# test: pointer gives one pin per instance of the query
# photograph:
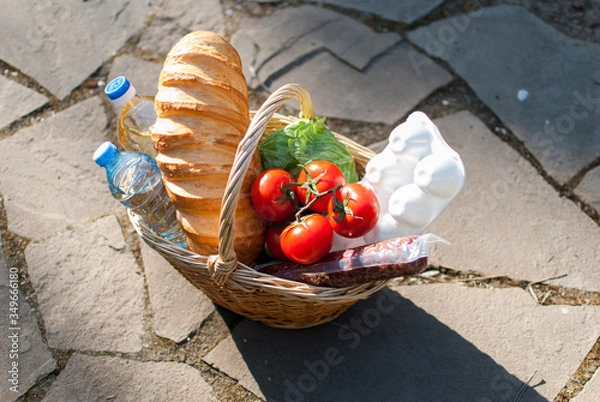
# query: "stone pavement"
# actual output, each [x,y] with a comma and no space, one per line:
[510,311]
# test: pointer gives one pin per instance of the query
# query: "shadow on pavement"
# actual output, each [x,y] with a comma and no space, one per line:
[382,349]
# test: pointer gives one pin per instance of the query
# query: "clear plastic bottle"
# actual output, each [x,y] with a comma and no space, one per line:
[135,180]
[136,116]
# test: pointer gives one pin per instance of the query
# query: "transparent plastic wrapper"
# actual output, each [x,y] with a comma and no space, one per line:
[401,256]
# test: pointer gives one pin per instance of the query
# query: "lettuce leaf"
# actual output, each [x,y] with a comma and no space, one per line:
[304,141]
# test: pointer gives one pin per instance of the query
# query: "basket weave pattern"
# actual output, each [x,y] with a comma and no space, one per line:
[274,301]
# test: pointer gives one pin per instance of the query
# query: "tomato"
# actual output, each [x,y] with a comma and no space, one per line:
[308,240]
[271,194]
[318,177]
[273,242]
[353,210]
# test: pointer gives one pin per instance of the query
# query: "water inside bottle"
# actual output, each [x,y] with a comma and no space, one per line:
[146,197]
[158,212]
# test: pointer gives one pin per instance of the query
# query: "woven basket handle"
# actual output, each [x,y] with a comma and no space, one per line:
[223,264]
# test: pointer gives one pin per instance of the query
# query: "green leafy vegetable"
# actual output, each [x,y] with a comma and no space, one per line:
[304,141]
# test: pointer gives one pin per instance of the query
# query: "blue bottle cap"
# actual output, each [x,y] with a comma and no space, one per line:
[117,88]
[105,153]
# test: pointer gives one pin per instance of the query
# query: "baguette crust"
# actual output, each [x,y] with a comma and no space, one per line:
[202,115]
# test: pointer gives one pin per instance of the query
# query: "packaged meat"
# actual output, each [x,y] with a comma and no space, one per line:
[381,260]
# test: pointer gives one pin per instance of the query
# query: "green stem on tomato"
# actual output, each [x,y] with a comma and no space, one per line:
[317,196]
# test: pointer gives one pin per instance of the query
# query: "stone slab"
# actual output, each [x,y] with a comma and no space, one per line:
[272,44]
[142,74]
[23,349]
[590,391]
[60,43]
[507,220]
[518,334]
[384,92]
[545,89]
[589,188]
[406,11]
[426,343]
[102,378]
[176,18]
[22,101]
[179,307]
[47,175]
[89,289]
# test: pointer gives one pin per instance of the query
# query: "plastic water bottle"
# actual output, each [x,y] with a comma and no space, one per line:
[135,180]
[136,116]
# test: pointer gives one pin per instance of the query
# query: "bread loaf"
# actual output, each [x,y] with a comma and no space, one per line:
[202,115]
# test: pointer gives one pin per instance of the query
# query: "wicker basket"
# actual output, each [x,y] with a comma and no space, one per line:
[274,301]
